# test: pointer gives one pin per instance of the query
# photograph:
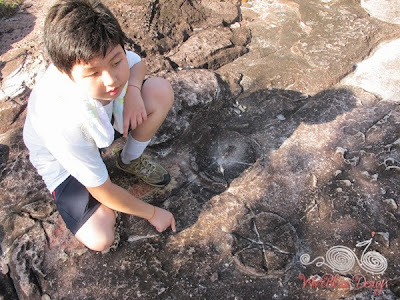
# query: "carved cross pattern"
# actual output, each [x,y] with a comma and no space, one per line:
[264,244]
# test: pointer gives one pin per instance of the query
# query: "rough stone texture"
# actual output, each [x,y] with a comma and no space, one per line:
[194,90]
[272,157]
[215,45]
[157,27]
[299,45]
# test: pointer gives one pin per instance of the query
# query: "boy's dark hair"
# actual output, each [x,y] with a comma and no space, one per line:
[76,31]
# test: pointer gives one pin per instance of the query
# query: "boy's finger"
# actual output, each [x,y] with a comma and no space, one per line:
[133,123]
[139,120]
[126,127]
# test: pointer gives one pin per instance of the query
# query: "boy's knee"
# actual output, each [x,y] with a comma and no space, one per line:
[100,242]
[104,243]
[168,92]
[98,232]
[162,91]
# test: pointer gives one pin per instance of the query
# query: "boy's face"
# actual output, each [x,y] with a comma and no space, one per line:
[103,77]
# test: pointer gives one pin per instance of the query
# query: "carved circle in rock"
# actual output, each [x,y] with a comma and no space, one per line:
[264,245]
[223,155]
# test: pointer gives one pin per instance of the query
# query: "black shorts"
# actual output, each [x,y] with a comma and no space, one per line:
[74,203]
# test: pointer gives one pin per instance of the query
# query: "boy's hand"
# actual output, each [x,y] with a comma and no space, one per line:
[134,110]
[162,219]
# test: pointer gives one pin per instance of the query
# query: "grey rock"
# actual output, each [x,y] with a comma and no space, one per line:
[210,48]
[391,204]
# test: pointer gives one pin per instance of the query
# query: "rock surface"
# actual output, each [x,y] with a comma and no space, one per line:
[277,149]
[379,74]
[387,11]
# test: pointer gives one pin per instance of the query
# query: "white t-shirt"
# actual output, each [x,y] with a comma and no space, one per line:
[58,145]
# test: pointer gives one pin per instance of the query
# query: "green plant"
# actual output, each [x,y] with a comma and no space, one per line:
[9,7]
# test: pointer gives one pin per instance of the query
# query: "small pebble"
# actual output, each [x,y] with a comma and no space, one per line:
[392,205]
[4,268]
[235,25]
[281,117]
[237,111]
[314,180]
[340,150]
[345,182]
[374,177]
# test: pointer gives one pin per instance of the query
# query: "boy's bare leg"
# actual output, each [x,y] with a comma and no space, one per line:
[158,98]
[97,233]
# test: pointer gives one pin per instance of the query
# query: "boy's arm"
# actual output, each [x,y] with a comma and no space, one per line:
[117,198]
[134,109]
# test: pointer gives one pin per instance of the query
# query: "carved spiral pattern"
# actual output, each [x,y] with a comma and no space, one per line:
[373,262]
[343,259]
[305,259]
[340,258]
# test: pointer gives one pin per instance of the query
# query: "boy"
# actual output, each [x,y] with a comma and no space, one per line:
[91,81]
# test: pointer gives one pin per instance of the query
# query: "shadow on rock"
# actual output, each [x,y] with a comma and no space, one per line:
[223,142]
[234,160]
[324,165]
[4,153]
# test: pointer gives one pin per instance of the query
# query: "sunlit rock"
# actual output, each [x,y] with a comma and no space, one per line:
[384,10]
[380,73]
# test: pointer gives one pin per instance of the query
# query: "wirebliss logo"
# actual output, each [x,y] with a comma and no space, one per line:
[342,260]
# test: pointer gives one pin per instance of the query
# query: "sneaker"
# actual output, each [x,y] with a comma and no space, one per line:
[146,169]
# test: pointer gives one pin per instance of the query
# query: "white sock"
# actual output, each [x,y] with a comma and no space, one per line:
[132,149]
